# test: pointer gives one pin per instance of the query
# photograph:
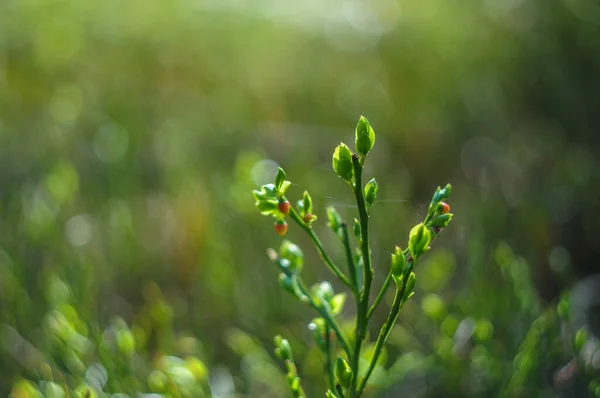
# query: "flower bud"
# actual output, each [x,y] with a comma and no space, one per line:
[157,381]
[371,192]
[419,240]
[334,221]
[342,162]
[364,137]
[410,286]
[284,206]
[443,208]
[283,350]
[343,372]
[293,254]
[398,264]
[280,227]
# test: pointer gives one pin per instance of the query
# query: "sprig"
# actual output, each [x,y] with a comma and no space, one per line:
[343,372]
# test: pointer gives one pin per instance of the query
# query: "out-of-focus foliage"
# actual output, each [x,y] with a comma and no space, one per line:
[132,134]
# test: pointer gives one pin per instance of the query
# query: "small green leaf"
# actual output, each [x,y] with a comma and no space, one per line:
[365,136]
[307,204]
[441,194]
[371,192]
[279,178]
[284,187]
[267,207]
[442,221]
[334,221]
[410,286]
[342,162]
[337,303]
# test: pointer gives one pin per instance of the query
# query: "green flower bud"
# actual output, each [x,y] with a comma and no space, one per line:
[317,328]
[53,390]
[398,265]
[419,239]
[334,221]
[371,192]
[356,230]
[365,136]
[337,303]
[125,341]
[342,162]
[157,381]
[293,254]
[343,372]
[441,194]
[283,350]
[198,368]
[410,286]
[329,394]
[85,391]
[307,204]
[323,291]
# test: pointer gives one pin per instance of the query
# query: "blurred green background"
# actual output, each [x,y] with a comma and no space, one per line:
[132,134]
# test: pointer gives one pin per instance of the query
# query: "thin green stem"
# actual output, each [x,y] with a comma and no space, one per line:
[393,315]
[383,335]
[350,259]
[388,280]
[363,303]
[327,316]
[296,217]
[339,390]
[380,295]
[328,361]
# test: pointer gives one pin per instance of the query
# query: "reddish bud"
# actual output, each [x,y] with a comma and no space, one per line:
[284,206]
[444,208]
[307,218]
[280,227]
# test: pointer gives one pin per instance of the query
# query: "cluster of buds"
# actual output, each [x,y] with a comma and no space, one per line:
[270,200]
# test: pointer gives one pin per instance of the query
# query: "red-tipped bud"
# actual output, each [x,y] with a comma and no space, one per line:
[280,227]
[307,218]
[284,206]
[444,207]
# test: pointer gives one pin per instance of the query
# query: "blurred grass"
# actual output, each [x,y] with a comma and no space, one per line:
[131,135]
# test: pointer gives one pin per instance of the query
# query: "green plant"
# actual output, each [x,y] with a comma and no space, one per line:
[346,366]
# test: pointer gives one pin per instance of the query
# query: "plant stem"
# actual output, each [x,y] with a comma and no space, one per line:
[296,217]
[380,295]
[350,258]
[328,318]
[328,361]
[393,315]
[383,334]
[363,303]
[388,280]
